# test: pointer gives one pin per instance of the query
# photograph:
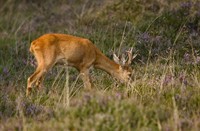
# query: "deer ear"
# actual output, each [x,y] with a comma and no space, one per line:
[134,56]
[116,59]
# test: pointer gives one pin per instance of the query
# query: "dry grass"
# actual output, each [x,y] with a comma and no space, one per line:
[164,94]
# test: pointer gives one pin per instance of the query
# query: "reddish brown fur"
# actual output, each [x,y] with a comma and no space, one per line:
[80,53]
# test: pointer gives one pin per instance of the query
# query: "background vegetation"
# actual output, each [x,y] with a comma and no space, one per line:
[165,93]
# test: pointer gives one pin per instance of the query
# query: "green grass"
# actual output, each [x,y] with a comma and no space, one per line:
[164,94]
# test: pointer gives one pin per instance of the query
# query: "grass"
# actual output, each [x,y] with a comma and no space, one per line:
[164,94]
[159,99]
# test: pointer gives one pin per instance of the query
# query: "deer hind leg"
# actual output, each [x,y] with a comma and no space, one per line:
[35,77]
[86,79]
[39,82]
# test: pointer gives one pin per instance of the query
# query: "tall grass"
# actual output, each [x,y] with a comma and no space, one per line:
[164,93]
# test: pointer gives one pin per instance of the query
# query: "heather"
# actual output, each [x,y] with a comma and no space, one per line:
[164,94]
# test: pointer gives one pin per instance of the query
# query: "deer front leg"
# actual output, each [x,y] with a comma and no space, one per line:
[86,79]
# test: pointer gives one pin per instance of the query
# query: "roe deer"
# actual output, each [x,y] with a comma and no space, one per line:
[81,53]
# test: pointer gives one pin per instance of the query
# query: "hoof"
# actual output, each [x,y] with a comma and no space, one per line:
[28,91]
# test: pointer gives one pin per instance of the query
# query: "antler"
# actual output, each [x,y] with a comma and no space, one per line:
[130,55]
[122,60]
[119,60]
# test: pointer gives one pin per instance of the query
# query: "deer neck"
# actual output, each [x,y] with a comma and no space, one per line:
[104,63]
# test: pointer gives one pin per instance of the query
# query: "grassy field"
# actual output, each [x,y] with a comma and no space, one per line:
[164,94]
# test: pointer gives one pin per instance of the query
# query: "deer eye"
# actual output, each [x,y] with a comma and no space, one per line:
[129,73]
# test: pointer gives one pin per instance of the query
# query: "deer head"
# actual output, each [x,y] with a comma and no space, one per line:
[125,69]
